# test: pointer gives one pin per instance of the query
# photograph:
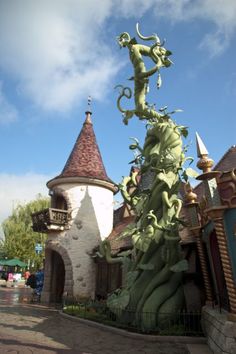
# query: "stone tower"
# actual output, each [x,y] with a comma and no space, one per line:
[81,215]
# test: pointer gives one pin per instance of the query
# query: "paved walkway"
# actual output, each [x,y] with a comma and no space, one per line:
[31,328]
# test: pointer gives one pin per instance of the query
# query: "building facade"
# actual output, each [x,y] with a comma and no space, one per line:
[80,216]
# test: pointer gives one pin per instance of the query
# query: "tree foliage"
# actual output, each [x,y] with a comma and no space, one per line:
[20,239]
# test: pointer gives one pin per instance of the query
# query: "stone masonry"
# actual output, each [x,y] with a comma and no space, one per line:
[220,332]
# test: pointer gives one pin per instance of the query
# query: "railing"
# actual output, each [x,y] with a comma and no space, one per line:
[177,324]
[49,219]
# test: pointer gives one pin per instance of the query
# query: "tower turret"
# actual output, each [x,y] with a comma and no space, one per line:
[85,160]
[86,192]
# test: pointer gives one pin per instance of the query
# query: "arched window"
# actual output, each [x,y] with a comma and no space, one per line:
[58,202]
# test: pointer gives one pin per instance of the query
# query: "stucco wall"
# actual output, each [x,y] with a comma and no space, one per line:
[92,221]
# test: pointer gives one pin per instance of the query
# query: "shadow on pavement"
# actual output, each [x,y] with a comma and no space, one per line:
[34,328]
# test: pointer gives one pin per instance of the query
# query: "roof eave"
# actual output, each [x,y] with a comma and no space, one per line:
[82,180]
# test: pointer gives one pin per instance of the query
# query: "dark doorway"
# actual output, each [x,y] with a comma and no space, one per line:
[108,278]
[57,277]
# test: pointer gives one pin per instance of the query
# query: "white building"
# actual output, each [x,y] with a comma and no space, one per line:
[81,215]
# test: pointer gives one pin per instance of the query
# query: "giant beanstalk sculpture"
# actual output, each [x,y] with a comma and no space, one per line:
[153,284]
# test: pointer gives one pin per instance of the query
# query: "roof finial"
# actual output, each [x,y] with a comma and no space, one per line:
[89,103]
[201,149]
[89,112]
[190,196]
[205,163]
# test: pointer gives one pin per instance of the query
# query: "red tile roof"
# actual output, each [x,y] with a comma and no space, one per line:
[118,244]
[226,163]
[85,158]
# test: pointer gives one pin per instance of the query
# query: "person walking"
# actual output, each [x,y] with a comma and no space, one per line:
[26,275]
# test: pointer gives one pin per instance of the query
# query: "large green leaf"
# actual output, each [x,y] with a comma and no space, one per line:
[139,205]
[165,253]
[130,278]
[128,231]
[190,172]
[126,263]
[184,131]
[148,266]
[158,235]
[181,266]
[119,301]
[169,178]
[141,242]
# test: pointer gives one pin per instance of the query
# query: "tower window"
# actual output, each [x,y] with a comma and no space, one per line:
[58,202]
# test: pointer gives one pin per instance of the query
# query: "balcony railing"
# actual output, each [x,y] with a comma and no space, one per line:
[50,219]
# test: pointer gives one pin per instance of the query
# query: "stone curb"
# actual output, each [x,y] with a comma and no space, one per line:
[150,338]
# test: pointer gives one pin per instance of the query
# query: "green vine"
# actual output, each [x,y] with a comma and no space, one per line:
[154,279]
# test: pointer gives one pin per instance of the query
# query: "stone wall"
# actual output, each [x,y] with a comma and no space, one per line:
[219,330]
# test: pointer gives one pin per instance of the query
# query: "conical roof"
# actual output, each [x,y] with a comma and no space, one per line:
[85,159]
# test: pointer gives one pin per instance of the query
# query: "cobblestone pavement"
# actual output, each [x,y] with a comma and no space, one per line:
[33,328]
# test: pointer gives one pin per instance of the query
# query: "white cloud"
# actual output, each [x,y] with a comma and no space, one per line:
[8,112]
[133,8]
[215,43]
[54,51]
[57,53]
[20,189]
[221,13]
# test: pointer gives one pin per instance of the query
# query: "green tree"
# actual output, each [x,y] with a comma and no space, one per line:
[2,252]
[20,239]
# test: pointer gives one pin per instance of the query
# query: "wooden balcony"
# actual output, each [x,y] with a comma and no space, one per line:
[50,220]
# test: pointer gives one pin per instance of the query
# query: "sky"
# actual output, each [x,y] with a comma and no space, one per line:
[56,53]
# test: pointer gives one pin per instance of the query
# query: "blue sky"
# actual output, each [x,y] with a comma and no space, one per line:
[55,53]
